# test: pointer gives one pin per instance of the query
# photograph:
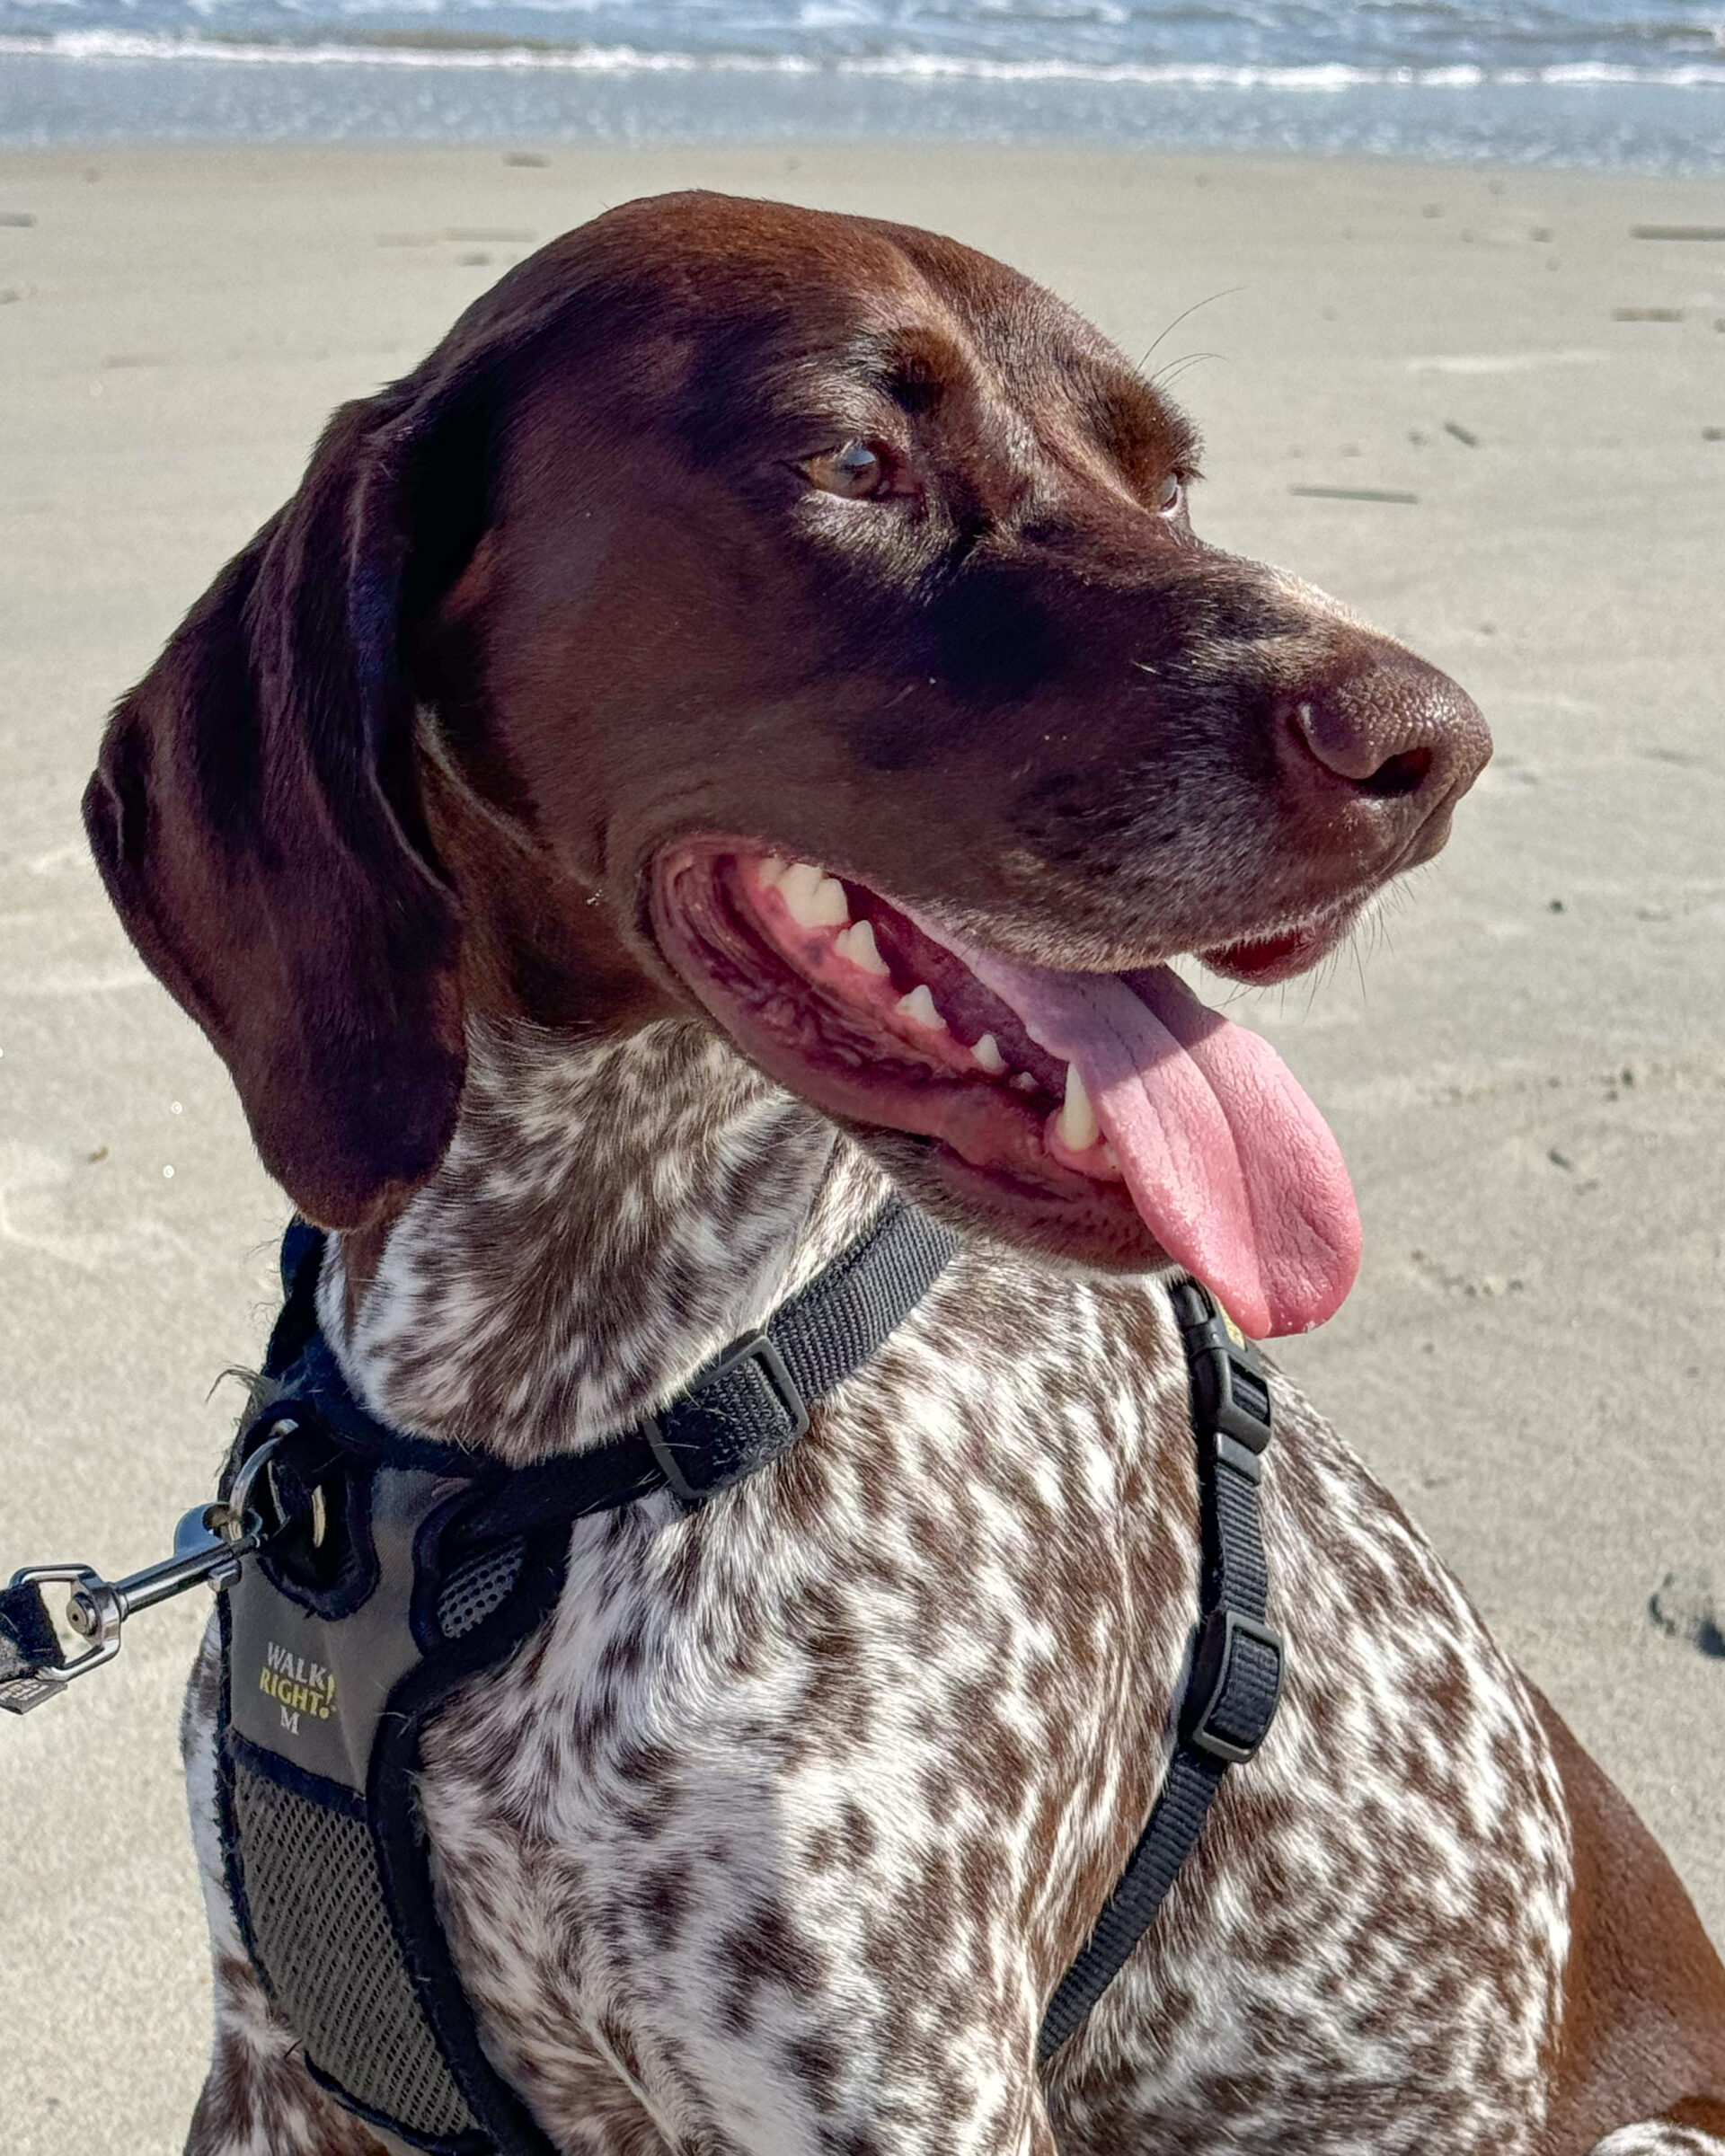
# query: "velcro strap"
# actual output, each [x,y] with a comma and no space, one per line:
[28,1640]
[748,1410]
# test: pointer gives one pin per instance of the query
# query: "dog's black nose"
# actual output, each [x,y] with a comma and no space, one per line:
[1385,738]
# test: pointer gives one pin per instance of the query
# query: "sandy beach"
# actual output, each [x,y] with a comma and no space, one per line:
[1473,403]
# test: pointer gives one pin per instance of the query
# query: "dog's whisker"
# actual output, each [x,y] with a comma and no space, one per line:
[1185,314]
[1176,368]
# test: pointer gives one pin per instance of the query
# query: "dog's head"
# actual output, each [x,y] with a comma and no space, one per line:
[798,620]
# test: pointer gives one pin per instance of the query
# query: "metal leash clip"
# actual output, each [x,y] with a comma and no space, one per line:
[209,1545]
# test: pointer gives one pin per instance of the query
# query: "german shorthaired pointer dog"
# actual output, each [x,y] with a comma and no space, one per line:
[739,729]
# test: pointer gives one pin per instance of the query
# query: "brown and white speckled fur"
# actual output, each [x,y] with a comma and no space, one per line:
[778,1836]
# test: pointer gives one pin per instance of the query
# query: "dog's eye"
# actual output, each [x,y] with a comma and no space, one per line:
[856,469]
[1172,493]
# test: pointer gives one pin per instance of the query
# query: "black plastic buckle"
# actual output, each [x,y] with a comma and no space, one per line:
[1230,1386]
[1216,1671]
[696,1472]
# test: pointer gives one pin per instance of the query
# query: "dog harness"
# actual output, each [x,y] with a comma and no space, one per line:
[377,1572]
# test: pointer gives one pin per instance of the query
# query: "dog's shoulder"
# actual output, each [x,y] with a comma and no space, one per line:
[1377,1923]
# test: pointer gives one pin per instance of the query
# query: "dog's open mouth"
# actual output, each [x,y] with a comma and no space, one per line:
[1114,1115]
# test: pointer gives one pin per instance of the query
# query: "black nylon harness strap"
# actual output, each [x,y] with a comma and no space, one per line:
[750,1403]
[1235,1682]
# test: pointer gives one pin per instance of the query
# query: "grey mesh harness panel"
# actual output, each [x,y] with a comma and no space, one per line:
[322,1932]
[478,1589]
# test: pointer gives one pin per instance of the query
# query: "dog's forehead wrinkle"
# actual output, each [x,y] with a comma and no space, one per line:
[966,374]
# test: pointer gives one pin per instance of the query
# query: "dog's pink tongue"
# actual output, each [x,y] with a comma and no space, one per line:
[1234,1170]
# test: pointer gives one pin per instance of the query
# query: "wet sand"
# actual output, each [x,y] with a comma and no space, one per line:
[1526,1062]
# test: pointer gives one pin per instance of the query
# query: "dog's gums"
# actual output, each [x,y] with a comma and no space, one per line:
[1111,1112]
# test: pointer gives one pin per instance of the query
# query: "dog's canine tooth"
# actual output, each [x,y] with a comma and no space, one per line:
[986,1052]
[919,1007]
[815,899]
[1077,1127]
[858,945]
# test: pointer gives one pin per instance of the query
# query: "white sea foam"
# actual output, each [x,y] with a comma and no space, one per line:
[1501,363]
[108,44]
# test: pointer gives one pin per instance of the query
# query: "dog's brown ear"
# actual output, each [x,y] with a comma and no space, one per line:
[256,817]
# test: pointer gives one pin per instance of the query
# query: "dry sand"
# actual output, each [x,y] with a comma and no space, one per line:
[1527,1070]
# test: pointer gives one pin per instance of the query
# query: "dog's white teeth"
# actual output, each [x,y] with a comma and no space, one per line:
[814,899]
[987,1054]
[770,868]
[1025,1082]
[919,1007]
[858,945]
[1077,1127]
[799,881]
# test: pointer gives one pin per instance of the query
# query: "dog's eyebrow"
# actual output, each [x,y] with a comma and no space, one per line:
[914,369]
[1137,426]
[918,370]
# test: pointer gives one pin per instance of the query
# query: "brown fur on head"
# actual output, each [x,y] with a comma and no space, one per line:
[564,611]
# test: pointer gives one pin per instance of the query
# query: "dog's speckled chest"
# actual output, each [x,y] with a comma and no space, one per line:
[806,1799]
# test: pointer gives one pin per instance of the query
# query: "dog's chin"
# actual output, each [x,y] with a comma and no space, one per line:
[1090,1230]
[845,999]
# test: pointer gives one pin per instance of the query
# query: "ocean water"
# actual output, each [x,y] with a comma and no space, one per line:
[1621,82]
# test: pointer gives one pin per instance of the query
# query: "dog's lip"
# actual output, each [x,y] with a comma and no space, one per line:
[1256,955]
[1278,952]
[761,925]
[1114,1110]
[1281,954]
[858,1056]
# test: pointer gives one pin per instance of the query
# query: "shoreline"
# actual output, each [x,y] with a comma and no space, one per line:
[110,87]
[1527,1073]
[628,59]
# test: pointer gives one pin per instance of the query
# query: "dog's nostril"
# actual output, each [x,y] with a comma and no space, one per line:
[1370,740]
[1399,775]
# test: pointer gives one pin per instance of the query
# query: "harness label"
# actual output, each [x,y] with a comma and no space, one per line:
[308,1686]
[297,1685]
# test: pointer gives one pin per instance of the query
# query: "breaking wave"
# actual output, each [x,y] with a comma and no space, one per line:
[451,49]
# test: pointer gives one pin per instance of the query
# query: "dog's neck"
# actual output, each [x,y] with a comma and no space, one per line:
[607,1217]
